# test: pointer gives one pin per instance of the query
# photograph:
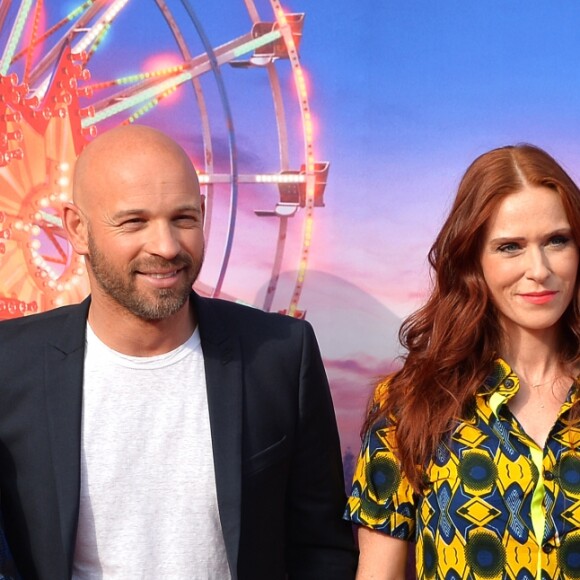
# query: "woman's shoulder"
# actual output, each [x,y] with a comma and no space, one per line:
[382,387]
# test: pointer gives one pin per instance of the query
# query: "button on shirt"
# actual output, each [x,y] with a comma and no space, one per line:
[496,505]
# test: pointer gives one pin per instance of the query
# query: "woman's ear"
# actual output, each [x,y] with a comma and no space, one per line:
[76,227]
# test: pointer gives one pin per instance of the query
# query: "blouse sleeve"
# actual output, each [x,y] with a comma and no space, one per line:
[381,496]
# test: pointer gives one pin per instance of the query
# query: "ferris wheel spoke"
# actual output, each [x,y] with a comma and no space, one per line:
[34,42]
[149,87]
[48,61]
[84,34]
[4,7]
[15,35]
[111,11]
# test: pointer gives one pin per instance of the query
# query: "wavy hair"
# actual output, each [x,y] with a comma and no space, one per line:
[453,340]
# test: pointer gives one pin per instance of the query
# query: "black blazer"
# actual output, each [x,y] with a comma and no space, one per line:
[276,452]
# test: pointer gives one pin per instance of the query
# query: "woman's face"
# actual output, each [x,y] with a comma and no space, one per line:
[529,260]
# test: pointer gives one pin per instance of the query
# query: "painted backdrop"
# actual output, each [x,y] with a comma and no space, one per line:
[330,137]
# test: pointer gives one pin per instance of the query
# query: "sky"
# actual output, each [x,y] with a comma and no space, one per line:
[408,93]
[404,95]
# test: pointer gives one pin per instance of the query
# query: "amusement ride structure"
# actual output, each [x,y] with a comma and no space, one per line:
[57,93]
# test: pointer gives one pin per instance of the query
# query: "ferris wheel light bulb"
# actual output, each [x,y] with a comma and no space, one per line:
[13,117]
[32,102]
[35,230]
[89,131]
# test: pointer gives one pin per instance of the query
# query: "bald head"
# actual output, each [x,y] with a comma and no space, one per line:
[119,153]
[137,218]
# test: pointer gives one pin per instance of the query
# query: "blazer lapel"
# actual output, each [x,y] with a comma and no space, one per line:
[64,378]
[223,369]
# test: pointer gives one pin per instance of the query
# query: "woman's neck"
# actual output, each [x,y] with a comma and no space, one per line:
[534,356]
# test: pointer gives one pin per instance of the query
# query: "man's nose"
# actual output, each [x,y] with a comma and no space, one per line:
[164,241]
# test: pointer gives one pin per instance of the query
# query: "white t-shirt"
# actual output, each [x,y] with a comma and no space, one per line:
[148,506]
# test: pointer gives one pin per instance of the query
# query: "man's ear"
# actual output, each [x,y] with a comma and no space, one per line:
[202,209]
[76,227]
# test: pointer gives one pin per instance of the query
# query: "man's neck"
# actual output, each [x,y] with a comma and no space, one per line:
[134,336]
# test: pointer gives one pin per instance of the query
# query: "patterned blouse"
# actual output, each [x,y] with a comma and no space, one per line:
[497,506]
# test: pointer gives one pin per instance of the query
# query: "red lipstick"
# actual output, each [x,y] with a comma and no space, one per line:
[539,297]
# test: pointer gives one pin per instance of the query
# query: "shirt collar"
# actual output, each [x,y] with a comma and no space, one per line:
[502,384]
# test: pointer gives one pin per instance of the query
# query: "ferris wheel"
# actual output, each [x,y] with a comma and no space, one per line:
[213,80]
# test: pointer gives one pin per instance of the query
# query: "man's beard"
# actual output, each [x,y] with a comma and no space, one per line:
[120,286]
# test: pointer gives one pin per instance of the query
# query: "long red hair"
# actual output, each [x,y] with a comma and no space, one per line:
[452,341]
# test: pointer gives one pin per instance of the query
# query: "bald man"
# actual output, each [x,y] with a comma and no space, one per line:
[152,433]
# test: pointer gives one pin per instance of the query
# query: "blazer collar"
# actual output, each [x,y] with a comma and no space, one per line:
[64,361]
[223,369]
[71,336]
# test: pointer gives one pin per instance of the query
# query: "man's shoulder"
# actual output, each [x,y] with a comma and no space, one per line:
[242,314]
[47,321]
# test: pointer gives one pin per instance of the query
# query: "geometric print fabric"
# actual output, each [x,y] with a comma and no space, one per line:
[490,491]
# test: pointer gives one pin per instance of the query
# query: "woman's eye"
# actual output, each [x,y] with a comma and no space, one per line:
[558,240]
[509,247]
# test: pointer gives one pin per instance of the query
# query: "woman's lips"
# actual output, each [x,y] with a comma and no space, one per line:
[539,297]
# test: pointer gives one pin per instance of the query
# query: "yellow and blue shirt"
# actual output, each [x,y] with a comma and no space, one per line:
[496,505]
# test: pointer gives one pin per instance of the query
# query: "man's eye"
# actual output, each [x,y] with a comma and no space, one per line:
[186,220]
[133,222]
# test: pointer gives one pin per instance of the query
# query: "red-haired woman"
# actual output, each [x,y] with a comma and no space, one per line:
[472,448]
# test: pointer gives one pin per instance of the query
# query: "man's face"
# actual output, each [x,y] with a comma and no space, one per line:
[145,239]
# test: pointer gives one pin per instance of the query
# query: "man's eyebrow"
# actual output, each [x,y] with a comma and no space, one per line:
[143,211]
[187,207]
